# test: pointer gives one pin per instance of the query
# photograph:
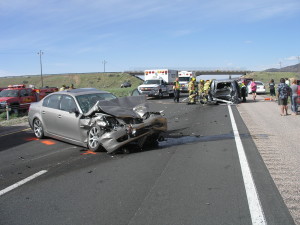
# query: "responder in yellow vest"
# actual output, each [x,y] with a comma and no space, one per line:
[192,91]
[176,88]
[243,90]
[206,89]
[201,92]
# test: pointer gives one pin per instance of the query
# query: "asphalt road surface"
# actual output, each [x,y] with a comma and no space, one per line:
[197,175]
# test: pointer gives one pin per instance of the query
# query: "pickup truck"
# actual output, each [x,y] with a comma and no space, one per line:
[18,98]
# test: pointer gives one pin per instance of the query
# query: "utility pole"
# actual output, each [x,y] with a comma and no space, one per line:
[298,57]
[104,62]
[41,53]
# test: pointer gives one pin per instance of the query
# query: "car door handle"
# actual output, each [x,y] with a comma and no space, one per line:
[59,116]
[43,112]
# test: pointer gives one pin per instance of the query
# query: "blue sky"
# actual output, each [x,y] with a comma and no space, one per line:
[78,35]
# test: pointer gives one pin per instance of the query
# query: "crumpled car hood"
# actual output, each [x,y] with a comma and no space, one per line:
[131,106]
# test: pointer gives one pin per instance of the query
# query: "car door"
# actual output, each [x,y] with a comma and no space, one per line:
[67,120]
[49,113]
[25,99]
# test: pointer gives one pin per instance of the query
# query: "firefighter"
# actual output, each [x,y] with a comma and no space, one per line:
[176,88]
[206,89]
[243,90]
[63,87]
[192,91]
[201,92]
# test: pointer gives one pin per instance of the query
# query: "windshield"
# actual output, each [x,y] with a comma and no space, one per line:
[9,93]
[184,78]
[86,102]
[152,82]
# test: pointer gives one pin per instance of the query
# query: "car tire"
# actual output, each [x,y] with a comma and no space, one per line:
[38,129]
[93,141]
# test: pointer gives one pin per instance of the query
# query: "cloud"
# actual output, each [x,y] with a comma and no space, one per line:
[292,58]
[4,73]
[179,33]
[248,42]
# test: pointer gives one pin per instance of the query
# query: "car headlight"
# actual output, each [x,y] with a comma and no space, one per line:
[101,123]
[133,132]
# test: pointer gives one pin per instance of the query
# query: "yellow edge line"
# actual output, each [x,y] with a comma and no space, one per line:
[15,132]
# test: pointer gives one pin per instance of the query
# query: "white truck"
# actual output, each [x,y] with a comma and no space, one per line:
[184,79]
[158,83]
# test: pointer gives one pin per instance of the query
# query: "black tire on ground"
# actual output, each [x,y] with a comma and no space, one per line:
[38,128]
[94,134]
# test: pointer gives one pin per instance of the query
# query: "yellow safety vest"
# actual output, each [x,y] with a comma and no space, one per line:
[191,86]
[206,86]
[177,85]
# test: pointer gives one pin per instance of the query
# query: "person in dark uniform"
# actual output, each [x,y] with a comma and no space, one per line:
[176,88]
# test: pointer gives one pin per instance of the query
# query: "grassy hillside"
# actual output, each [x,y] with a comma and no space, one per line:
[265,77]
[103,81]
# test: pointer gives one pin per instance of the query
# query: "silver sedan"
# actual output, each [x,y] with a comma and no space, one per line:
[96,119]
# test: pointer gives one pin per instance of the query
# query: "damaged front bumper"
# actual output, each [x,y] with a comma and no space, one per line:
[113,139]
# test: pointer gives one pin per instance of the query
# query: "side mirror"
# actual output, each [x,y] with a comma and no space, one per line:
[74,110]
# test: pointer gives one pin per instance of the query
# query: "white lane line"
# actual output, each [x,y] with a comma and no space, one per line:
[18,184]
[14,132]
[256,211]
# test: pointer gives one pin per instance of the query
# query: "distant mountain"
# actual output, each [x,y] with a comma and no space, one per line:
[294,69]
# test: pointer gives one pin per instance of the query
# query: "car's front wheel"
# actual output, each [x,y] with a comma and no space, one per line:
[94,135]
[38,128]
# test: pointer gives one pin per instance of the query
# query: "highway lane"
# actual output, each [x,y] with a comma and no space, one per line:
[193,177]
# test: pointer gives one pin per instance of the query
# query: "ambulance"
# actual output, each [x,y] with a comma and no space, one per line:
[158,83]
[184,79]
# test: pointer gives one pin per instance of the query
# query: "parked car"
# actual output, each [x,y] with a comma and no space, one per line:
[225,91]
[261,88]
[126,84]
[245,80]
[96,119]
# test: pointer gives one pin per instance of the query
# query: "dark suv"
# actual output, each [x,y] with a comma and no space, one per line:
[126,84]
[225,91]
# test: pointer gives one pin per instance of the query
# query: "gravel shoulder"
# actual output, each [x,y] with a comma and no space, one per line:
[21,121]
[277,140]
